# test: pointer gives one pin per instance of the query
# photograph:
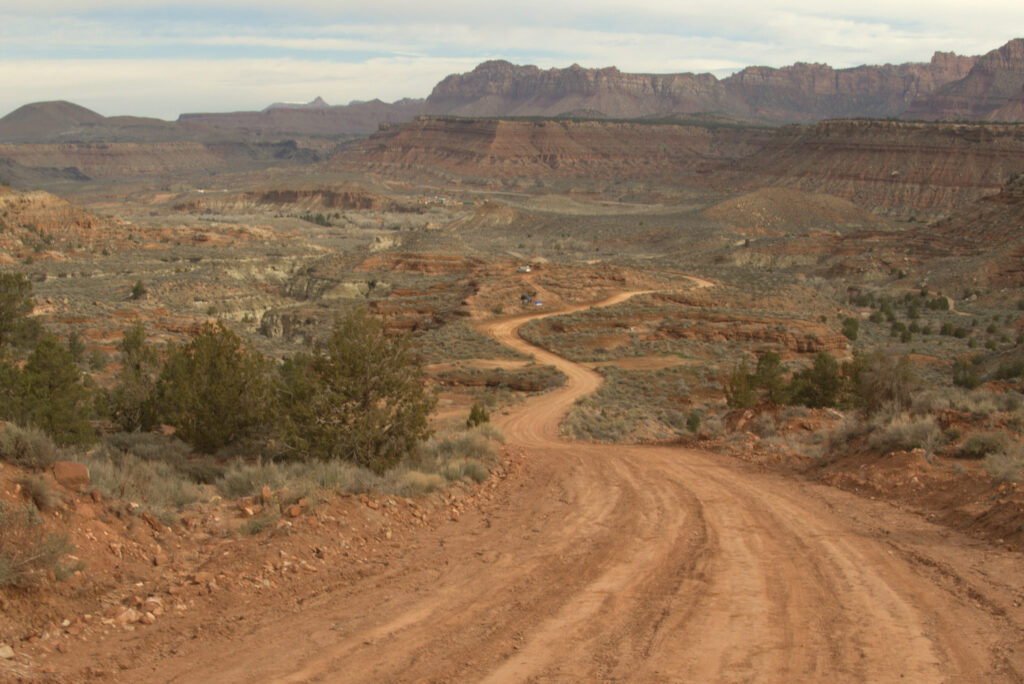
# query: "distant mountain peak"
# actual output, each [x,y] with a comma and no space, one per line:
[318,103]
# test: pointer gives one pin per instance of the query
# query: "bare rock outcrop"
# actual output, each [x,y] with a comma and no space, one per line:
[993,90]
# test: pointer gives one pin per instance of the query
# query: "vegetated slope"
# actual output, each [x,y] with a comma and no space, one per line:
[29,165]
[624,562]
[34,223]
[992,90]
[497,148]
[892,167]
[785,210]
[993,229]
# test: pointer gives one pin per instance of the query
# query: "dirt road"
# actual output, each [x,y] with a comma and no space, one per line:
[649,564]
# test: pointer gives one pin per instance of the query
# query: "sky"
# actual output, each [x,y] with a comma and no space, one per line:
[161,59]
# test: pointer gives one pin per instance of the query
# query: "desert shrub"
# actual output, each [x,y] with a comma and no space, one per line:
[465,468]
[1008,401]
[763,425]
[965,374]
[216,390]
[586,421]
[905,432]
[491,431]
[877,380]
[714,426]
[459,446]
[27,447]
[28,553]
[1006,465]
[39,493]
[693,422]
[154,484]
[850,428]
[415,483]
[261,522]
[1010,370]
[851,326]
[243,478]
[981,444]
[150,446]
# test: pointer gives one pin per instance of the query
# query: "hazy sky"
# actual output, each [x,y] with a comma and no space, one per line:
[157,58]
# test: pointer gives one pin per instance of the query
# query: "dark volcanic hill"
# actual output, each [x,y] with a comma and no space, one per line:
[993,90]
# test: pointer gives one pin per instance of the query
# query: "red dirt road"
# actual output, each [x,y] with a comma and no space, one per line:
[648,564]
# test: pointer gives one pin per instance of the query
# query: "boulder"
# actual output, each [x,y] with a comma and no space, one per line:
[74,476]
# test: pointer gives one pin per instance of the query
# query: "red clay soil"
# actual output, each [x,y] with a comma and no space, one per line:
[600,563]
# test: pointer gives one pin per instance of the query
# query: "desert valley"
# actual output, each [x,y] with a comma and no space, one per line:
[663,378]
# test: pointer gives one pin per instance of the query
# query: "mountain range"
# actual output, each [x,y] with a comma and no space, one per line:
[949,87]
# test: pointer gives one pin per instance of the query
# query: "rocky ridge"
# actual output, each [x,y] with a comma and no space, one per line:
[993,90]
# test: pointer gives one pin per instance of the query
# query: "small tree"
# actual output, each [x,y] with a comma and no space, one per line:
[361,398]
[15,305]
[133,399]
[216,390]
[739,390]
[51,394]
[769,376]
[851,326]
[477,415]
[138,290]
[965,374]
[876,380]
[819,385]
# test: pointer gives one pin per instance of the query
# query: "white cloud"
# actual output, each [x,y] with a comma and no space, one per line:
[192,55]
[167,88]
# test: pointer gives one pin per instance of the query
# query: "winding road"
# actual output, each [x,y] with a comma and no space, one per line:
[645,564]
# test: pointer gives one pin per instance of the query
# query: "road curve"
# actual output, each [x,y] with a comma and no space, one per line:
[648,564]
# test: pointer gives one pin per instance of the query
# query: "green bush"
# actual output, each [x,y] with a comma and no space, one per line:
[740,388]
[49,394]
[851,327]
[965,374]
[15,305]
[361,398]
[819,385]
[132,401]
[216,390]
[477,415]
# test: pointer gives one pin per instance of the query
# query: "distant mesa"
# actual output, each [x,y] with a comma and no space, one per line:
[318,103]
[948,87]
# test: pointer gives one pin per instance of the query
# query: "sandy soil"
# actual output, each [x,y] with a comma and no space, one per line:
[631,563]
